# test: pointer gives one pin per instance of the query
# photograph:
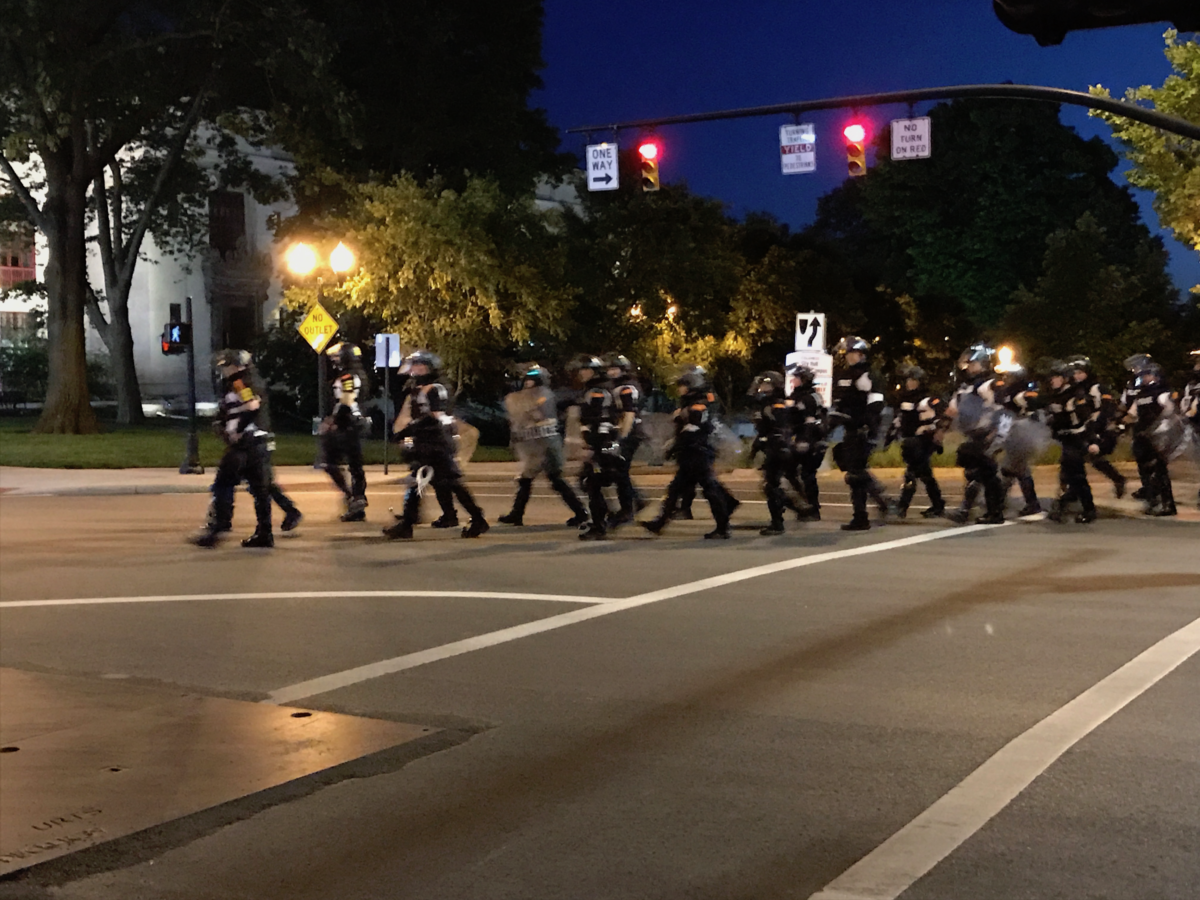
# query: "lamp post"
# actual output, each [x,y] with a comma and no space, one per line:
[302,260]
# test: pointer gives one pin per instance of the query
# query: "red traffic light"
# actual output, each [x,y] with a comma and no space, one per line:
[648,150]
[855,133]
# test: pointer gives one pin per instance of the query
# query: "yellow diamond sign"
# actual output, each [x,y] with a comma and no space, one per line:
[318,328]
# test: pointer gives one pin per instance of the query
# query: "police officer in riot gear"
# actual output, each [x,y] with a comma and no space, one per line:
[1106,428]
[808,433]
[773,422]
[340,432]
[245,457]
[973,409]
[915,425]
[694,455]
[858,408]
[1190,402]
[598,426]
[430,445]
[1070,409]
[627,398]
[1146,405]
[1014,392]
[533,423]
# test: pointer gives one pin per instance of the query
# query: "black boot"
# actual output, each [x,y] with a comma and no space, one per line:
[970,496]
[776,527]
[445,521]
[477,526]
[291,519]
[858,523]
[260,538]
[400,530]
[720,533]
[906,495]
[593,532]
[655,526]
[208,537]
[520,501]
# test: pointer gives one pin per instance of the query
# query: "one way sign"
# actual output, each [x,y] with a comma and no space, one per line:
[602,167]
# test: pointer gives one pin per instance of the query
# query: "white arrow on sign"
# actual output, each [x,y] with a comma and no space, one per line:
[601,162]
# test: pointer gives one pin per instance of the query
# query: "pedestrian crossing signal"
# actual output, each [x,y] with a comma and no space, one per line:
[856,149]
[648,165]
[176,338]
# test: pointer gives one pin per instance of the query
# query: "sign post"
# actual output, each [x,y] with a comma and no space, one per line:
[318,328]
[810,352]
[601,162]
[798,149]
[384,359]
[191,461]
[911,138]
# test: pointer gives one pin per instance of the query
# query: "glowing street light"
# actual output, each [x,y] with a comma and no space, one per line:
[301,259]
[341,260]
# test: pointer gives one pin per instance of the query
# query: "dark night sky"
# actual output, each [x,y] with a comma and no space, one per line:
[619,60]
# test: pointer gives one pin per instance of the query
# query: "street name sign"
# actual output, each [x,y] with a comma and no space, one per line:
[797,149]
[601,161]
[318,328]
[911,138]
[387,351]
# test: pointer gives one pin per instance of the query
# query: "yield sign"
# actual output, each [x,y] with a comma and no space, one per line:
[318,328]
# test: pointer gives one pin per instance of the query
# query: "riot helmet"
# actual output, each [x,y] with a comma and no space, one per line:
[425,358]
[976,360]
[230,358]
[1195,355]
[1080,363]
[851,344]
[909,372]
[621,363]
[537,374]
[345,356]
[1151,374]
[692,380]
[1139,362]
[766,384]
[804,375]
[585,362]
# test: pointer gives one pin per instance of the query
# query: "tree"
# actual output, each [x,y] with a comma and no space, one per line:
[469,274]
[1084,304]
[89,87]
[970,224]
[1167,164]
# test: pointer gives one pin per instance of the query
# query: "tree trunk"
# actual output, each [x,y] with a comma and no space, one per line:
[67,409]
[120,351]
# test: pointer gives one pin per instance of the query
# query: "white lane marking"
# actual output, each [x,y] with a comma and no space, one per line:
[893,867]
[336,680]
[305,595]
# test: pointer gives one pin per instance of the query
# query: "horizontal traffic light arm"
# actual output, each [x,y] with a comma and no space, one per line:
[1172,124]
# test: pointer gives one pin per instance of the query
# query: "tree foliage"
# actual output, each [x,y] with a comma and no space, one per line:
[970,224]
[1082,303]
[1167,164]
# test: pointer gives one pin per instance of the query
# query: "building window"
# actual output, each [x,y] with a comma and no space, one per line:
[13,322]
[16,261]
[226,220]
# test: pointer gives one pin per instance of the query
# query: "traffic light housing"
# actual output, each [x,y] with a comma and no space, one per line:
[648,165]
[1048,21]
[856,149]
[176,338]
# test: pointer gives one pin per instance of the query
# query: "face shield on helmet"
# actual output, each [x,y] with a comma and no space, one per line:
[692,380]
[976,359]
[801,376]
[584,368]
[911,373]
[766,384]
[345,356]
[422,365]
[620,363]
[537,374]
[232,360]
[1138,363]
[851,344]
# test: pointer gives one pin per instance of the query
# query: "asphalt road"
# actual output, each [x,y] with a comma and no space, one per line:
[667,718]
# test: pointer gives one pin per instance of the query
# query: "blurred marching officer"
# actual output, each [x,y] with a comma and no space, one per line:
[858,408]
[246,455]
[340,431]
[915,426]
[533,423]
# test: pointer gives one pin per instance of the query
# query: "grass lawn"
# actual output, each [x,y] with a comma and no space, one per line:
[159,444]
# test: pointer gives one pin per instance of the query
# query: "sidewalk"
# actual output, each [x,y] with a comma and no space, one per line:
[29,482]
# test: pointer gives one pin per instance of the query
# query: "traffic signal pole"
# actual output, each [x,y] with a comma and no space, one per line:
[191,461]
[1122,108]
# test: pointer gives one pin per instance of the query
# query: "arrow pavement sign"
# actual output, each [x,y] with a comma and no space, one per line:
[601,162]
[911,138]
[797,149]
[318,328]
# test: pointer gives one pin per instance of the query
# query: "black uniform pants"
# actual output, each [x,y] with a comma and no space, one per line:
[982,473]
[917,451]
[595,475]
[446,482]
[627,493]
[1072,472]
[804,474]
[853,456]
[1152,468]
[343,445]
[247,461]
[696,471]
[777,465]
